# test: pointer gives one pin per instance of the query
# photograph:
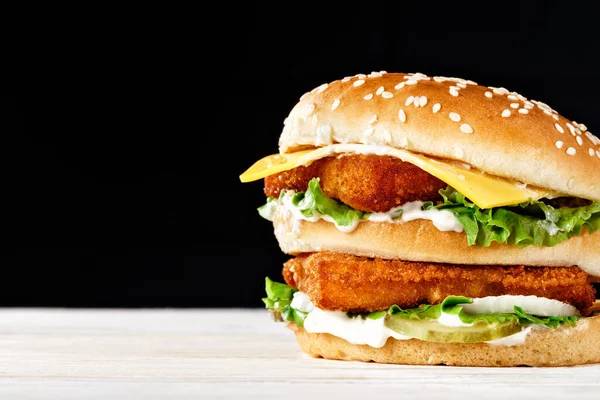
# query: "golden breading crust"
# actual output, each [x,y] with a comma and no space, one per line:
[359,284]
[365,182]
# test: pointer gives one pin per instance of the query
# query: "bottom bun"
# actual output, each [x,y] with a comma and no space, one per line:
[565,346]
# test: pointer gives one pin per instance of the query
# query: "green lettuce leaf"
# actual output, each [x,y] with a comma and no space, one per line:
[530,223]
[315,201]
[452,305]
[279,298]
[280,295]
[268,209]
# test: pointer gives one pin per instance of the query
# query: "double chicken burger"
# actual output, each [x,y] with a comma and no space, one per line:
[432,220]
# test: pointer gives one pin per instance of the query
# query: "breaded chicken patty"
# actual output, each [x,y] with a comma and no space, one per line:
[368,183]
[359,284]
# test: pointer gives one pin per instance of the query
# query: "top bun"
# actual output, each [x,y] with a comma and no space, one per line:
[492,129]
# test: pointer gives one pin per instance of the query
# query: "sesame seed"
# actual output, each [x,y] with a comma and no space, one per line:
[453,91]
[461,177]
[592,138]
[497,91]
[346,79]
[416,102]
[523,111]
[436,107]
[361,76]
[306,109]
[514,105]
[387,136]
[373,119]
[409,100]
[583,127]
[512,97]
[458,152]
[571,128]
[387,95]
[466,128]
[579,140]
[368,96]
[380,90]
[591,152]
[454,116]
[528,105]
[358,82]
[402,115]
[411,82]
[399,86]
[321,88]
[506,113]
[374,74]
[470,82]
[489,95]
[461,85]
[571,151]
[546,111]
[383,72]
[423,101]
[559,144]
[555,116]
[439,79]
[578,131]
[559,128]
[598,153]
[335,104]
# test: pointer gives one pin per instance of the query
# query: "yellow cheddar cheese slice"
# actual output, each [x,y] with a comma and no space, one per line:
[486,191]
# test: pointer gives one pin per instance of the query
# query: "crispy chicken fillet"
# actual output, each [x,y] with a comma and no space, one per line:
[359,284]
[365,182]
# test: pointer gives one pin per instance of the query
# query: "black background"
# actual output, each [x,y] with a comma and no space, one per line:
[120,184]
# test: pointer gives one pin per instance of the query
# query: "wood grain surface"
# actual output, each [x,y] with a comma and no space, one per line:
[228,353]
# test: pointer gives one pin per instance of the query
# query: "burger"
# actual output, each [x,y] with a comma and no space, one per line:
[433,220]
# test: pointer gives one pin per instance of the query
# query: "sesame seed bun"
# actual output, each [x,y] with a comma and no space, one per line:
[420,240]
[492,129]
[565,346]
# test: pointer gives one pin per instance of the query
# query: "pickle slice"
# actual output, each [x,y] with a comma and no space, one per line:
[431,330]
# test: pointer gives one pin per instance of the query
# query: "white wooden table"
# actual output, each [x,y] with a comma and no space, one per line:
[191,354]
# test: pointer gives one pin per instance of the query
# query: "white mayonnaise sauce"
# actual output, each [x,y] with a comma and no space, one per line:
[356,330]
[549,226]
[367,331]
[373,332]
[287,204]
[513,340]
[442,219]
[539,306]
